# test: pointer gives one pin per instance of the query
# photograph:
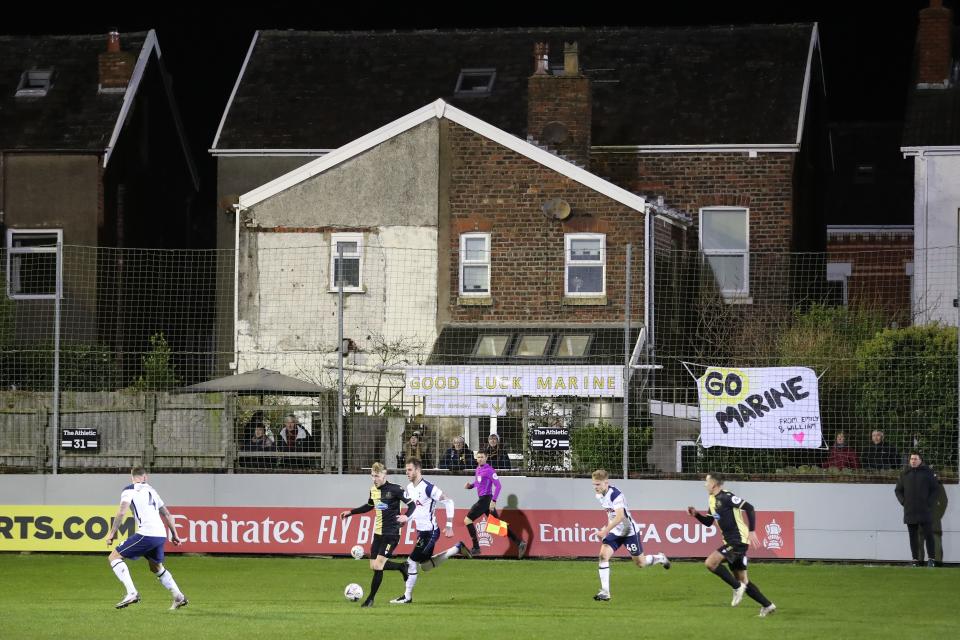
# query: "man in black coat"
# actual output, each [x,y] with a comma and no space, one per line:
[917,491]
[879,454]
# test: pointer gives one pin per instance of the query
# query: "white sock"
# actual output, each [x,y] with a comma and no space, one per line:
[605,576]
[123,575]
[166,579]
[649,560]
[441,557]
[411,578]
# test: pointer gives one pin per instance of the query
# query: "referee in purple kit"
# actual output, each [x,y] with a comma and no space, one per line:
[487,482]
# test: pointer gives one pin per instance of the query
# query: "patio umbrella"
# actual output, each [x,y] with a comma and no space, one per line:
[258,382]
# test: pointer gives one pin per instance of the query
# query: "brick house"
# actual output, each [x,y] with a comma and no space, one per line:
[92,155]
[724,122]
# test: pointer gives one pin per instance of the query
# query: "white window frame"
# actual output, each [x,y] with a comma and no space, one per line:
[840,272]
[568,239]
[730,294]
[13,275]
[336,238]
[475,263]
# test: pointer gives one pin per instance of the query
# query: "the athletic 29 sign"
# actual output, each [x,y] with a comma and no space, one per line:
[550,533]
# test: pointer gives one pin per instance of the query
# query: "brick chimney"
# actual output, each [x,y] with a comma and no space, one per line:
[934,50]
[559,107]
[116,66]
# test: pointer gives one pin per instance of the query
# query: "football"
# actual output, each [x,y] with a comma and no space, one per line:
[353,592]
[357,552]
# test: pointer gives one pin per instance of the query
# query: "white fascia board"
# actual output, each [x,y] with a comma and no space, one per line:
[138,70]
[440,109]
[895,229]
[697,148]
[945,150]
[236,85]
[269,152]
[804,96]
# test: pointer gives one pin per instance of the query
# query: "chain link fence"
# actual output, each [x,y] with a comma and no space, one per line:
[444,354]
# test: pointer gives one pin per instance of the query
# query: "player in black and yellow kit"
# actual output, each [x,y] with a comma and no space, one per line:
[728,510]
[386,498]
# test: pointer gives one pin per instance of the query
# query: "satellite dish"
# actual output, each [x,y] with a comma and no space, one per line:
[556,208]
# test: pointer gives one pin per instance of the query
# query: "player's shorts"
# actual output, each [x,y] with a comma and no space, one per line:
[424,547]
[632,543]
[149,547]
[735,555]
[480,508]
[384,545]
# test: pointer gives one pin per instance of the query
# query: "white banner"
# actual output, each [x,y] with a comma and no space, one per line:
[776,408]
[545,381]
[465,406]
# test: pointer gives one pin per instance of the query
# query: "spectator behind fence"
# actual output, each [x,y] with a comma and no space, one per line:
[416,447]
[496,453]
[917,490]
[294,439]
[458,457]
[841,456]
[259,441]
[879,454]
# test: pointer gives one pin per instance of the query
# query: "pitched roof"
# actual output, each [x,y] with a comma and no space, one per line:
[651,86]
[440,109]
[933,118]
[73,116]
[933,113]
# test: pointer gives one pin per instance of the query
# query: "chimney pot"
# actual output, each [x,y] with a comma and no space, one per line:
[571,59]
[113,42]
[541,61]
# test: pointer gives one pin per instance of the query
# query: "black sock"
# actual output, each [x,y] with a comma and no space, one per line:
[472,530]
[375,583]
[514,538]
[724,574]
[394,566]
[754,593]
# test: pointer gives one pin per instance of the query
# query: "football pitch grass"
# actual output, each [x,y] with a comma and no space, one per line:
[56,596]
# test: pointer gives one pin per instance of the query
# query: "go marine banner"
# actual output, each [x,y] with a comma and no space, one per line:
[289,530]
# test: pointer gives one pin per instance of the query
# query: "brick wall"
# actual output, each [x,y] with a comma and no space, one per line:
[494,189]
[933,44]
[565,100]
[878,280]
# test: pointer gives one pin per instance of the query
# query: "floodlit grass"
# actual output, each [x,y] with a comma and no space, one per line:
[57,596]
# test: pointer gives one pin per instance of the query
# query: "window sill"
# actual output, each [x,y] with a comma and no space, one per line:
[585,301]
[737,298]
[475,301]
[350,290]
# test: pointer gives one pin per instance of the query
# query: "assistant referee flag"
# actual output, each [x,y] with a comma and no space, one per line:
[496,526]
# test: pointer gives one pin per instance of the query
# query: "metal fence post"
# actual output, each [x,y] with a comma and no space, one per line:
[626,365]
[340,249]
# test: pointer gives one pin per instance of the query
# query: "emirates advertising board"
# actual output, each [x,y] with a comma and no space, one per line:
[307,531]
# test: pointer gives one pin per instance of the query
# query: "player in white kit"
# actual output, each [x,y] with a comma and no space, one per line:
[426,496]
[619,530]
[148,541]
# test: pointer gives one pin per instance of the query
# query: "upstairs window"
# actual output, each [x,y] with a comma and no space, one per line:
[725,241]
[32,263]
[475,82]
[475,264]
[35,82]
[352,267]
[586,260]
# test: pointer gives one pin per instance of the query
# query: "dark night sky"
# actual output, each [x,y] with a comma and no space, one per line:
[866,46]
